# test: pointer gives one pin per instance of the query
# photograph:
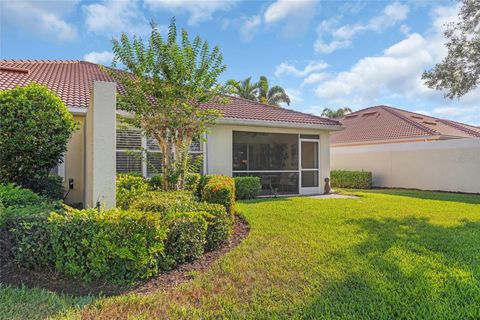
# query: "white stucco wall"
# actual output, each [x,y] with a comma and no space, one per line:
[218,153]
[74,163]
[448,165]
[100,155]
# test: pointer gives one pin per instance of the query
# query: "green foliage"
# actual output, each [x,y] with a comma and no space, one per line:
[244,88]
[51,187]
[35,127]
[247,187]
[219,221]
[187,236]
[220,189]
[155,183]
[351,179]
[271,95]
[115,245]
[166,82]
[459,72]
[14,196]
[164,203]
[332,114]
[128,188]
[191,181]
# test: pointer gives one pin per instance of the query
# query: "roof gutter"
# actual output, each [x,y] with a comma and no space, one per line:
[278,124]
[78,111]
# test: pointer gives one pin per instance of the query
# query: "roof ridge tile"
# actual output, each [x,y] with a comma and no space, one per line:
[414,123]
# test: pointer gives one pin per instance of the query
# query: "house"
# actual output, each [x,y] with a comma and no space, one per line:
[287,149]
[409,150]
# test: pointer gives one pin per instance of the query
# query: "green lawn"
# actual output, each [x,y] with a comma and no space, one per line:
[385,255]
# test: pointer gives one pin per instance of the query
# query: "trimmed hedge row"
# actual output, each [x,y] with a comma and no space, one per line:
[219,189]
[351,179]
[247,187]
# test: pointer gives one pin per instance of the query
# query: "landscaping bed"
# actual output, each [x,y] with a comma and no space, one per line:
[13,275]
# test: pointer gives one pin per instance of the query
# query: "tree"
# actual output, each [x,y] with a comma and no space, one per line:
[166,82]
[272,96]
[459,72]
[35,126]
[340,112]
[244,89]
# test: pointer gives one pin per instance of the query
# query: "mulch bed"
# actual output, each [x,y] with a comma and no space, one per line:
[12,274]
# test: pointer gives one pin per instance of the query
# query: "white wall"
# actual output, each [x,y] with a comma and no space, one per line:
[447,165]
[218,153]
[100,155]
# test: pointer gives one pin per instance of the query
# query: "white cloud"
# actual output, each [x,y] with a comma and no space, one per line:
[249,27]
[288,69]
[111,17]
[314,78]
[44,17]
[294,15]
[396,75]
[295,95]
[104,57]
[199,10]
[341,37]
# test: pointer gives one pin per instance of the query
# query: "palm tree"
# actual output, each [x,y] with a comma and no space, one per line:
[272,96]
[340,112]
[244,89]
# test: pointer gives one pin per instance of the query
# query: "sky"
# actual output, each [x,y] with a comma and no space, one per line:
[324,53]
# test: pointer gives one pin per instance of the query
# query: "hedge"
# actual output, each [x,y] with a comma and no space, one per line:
[351,179]
[13,196]
[128,188]
[247,187]
[164,203]
[115,245]
[220,189]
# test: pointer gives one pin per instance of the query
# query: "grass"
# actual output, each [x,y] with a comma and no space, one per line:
[389,254]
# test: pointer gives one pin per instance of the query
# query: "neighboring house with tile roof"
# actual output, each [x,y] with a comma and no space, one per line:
[409,150]
[288,149]
[385,124]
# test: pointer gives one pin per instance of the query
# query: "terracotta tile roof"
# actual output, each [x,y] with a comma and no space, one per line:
[384,123]
[72,80]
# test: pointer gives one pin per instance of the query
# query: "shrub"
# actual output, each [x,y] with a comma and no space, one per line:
[220,189]
[247,187]
[351,179]
[155,183]
[164,202]
[13,196]
[50,187]
[119,246]
[35,127]
[219,222]
[129,187]
[187,236]
[191,181]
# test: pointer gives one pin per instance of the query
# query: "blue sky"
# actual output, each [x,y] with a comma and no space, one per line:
[325,53]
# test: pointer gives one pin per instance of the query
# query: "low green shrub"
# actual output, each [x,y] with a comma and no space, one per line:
[128,188]
[115,245]
[13,196]
[51,187]
[351,179]
[164,202]
[155,183]
[186,237]
[247,187]
[219,222]
[220,189]
[191,181]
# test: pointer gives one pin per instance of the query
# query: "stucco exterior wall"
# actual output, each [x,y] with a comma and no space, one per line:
[448,165]
[74,163]
[218,153]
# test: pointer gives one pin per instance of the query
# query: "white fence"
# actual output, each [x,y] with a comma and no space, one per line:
[448,165]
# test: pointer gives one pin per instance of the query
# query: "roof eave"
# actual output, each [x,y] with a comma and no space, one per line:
[278,124]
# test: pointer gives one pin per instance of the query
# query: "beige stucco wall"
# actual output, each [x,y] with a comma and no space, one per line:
[449,165]
[220,142]
[74,163]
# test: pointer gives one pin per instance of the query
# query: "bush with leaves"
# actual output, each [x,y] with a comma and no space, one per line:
[191,181]
[115,245]
[186,237]
[220,189]
[35,126]
[164,203]
[14,196]
[351,179]
[247,187]
[128,188]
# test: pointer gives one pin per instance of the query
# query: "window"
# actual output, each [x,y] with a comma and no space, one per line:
[271,156]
